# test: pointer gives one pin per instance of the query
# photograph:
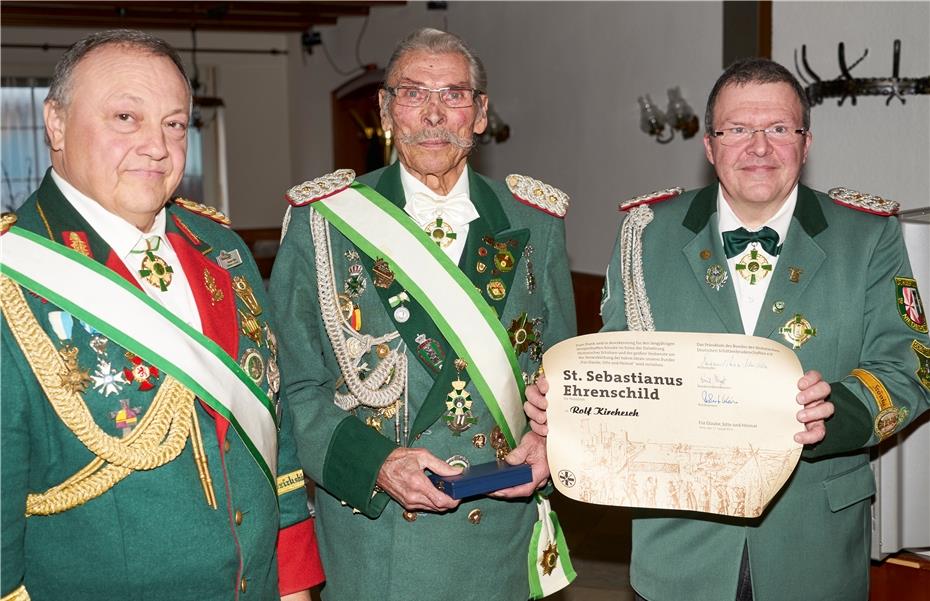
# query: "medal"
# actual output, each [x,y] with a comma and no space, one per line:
[753,267]
[716,277]
[346,306]
[144,375]
[355,284]
[503,260]
[249,327]
[521,334]
[459,461]
[550,558]
[458,416]
[107,380]
[273,375]
[253,365]
[156,271]
[384,277]
[798,331]
[430,352]
[479,440]
[499,442]
[245,293]
[73,378]
[126,417]
[440,232]
[401,313]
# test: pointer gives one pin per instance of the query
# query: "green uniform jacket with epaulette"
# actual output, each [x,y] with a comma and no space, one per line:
[813,540]
[370,551]
[152,535]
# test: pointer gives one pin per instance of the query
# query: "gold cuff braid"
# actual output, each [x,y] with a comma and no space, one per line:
[20,594]
[159,438]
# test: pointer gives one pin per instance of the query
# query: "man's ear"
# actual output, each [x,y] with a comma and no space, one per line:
[386,123]
[54,115]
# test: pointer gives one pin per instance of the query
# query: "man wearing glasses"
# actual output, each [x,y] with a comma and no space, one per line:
[418,300]
[826,275]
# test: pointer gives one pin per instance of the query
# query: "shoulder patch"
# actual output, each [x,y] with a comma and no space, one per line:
[537,194]
[651,198]
[868,203]
[7,220]
[203,210]
[319,188]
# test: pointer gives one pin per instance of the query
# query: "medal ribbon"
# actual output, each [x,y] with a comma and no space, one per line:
[380,229]
[73,282]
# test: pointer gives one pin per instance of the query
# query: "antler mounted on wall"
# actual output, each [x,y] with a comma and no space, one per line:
[846,86]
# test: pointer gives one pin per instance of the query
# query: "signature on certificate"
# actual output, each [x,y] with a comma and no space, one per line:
[717,398]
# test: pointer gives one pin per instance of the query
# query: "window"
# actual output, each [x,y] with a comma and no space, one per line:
[25,156]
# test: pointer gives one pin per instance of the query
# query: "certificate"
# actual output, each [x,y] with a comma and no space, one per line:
[672,420]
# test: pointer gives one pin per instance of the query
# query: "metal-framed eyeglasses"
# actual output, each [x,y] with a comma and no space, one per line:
[451,96]
[779,135]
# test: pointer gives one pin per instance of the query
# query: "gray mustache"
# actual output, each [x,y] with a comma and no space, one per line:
[435,133]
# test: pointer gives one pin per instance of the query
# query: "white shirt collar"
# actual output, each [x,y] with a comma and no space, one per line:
[780,221]
[118,233]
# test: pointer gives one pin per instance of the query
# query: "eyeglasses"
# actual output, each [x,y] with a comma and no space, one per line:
[452,97]
[776,134]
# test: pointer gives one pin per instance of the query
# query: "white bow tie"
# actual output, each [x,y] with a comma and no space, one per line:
[456,209]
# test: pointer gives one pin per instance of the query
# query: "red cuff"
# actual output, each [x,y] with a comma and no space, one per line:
[299,565]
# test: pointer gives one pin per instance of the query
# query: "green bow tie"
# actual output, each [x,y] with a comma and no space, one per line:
[736,241]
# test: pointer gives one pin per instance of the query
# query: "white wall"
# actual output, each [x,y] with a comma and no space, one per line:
[565,76]
[253,87]
[870,147]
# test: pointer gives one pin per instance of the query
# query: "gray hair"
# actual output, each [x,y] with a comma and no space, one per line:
[436,41]
[756,70]
[60,87]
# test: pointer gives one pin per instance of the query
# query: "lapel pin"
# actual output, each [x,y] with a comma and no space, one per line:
[227,259]
[794,274]
[716,277]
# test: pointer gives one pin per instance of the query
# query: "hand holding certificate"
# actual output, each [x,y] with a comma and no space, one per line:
[686,421]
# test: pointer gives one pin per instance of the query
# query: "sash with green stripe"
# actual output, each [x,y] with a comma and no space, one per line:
[118,310]
[470,326]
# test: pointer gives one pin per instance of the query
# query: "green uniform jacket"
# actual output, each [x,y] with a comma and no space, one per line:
[151,536]
[370,552]
[812,542]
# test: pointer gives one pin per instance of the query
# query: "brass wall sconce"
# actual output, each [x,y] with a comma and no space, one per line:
[678,116]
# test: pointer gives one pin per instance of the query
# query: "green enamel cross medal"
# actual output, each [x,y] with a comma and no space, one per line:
[440,232]
[458,415]
[753,267]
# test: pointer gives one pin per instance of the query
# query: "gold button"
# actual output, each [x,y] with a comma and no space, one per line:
[705,254]
[383,350]
[243,585]
[474,516]
[410,516]
[238,518]
[226,446]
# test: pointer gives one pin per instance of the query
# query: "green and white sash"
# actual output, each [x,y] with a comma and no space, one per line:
[469,324]
[380,229]
[118,310]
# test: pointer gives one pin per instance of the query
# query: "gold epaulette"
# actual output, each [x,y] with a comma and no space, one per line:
[868,203]
[7,220]
[651,198]
[204,210]
[539,195]
[319,188]
[20,594]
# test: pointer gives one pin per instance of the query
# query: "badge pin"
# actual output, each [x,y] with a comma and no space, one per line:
[384,277]
[227,259]
[503,260]
[355,347]
[481,266]
[716,277]
[499,443]
[216,295]
[521,334]
[778,306]
[482,251]
[346,306]
[479,440]
[459,461]
[351,255]
[798,330]
[923,363]
[244,291]
[496,289]
[126,417]
[530,276]
[273,375]
[794,274]
[249,327]
[430,352]
[704,254]
[355,284]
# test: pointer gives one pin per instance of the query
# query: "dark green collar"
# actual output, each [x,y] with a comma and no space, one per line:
[807,210]
[62,217]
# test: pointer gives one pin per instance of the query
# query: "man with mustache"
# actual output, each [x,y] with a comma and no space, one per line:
[142,455]
[418,298]
[825,274]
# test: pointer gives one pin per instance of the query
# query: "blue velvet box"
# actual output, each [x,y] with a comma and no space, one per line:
[481,479]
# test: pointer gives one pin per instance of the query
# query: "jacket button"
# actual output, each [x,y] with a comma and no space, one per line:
[238,518]
[243,585]
[410,516]
[474,516]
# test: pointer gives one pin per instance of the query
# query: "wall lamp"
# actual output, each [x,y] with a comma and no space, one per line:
[679,115]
